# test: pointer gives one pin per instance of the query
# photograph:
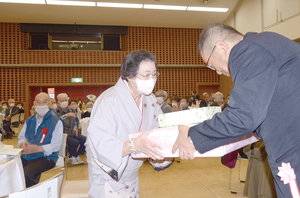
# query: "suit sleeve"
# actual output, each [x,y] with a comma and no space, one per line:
[254,73]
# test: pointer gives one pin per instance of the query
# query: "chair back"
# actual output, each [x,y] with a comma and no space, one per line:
[15,118]
[49,188]
[22,117]
[62,150]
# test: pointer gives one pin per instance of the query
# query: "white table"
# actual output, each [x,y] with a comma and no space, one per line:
[12,176]
[84,123]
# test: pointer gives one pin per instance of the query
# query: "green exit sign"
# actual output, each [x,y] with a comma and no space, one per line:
[76,80]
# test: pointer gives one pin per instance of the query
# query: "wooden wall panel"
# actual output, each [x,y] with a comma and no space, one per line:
[171,46]
[9,43]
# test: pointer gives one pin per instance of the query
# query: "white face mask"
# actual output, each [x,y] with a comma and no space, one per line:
[219,99]
[89,110]
[41,110]
[174,104]
[145,86]
[183,105]
[20,107]
[73,107]
[12,105]
[4,107]
[54,106]
[63,104]
[160,100]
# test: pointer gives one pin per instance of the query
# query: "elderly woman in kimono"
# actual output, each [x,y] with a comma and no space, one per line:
[128,107]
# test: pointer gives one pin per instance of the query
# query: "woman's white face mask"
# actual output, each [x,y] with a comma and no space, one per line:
[145,86]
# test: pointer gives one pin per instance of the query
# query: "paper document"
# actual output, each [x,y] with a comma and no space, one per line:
[166,137]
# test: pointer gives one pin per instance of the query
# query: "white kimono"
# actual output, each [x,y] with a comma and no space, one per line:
[115,115]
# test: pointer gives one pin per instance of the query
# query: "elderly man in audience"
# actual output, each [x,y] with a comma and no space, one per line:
[75,139]
[88,107]
[161,97]
[40,139]
[219,101]
[9,112]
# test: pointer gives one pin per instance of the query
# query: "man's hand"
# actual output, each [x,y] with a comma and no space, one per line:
[24,144]
[7,118]
[142,144]
[76,132]
[31,148]
[186,148]
[70,115]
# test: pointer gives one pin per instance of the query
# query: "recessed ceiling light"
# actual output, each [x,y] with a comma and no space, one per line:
[164,7]
[119,5]
[71,3]
[207,9]
[24,1]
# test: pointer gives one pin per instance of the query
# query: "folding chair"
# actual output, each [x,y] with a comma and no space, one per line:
[16,118]
[61,162]
[239,159]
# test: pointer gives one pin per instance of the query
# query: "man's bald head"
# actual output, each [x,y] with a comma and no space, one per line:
[42,99]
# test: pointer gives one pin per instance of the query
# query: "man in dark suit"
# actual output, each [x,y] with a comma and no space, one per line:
[265,70]
[10,111]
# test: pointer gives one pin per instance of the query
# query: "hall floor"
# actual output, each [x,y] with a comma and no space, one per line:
[199,178]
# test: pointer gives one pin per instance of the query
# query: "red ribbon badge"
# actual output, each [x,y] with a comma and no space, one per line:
[44,132]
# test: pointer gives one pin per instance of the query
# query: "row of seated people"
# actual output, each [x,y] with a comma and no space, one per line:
[8,110]
[41,136]
[176,103]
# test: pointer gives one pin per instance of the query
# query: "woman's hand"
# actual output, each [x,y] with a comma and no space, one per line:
[143,145]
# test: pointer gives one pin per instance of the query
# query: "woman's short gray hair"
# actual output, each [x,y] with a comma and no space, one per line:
[131,63]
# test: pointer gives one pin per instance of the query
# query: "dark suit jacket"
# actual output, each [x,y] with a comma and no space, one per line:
[166,108]
[14,111]
[265,70]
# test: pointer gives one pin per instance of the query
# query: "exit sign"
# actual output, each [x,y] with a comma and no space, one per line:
[76,80]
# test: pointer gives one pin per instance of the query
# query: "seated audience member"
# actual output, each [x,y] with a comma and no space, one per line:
[75,108]
[80,103]
[4,106]
[75,139]
[88,107]
[168,101]
[210,101]
[219,101]
[183,104]
[20,106]
[175,104]
[161,97]
[53,104]
[40,139]
[195,96]
[11,111]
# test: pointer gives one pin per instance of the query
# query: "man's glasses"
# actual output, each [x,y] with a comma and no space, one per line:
[148,76]
[210,67]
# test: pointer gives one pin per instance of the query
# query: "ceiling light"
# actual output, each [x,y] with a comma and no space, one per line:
[119,5]
[164,7]
[24,1]
[71,3]
[207,9]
